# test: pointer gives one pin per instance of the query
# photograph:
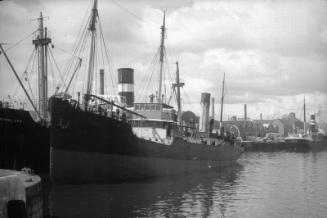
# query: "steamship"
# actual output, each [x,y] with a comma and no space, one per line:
[25,135]
[116,139]
[310,139]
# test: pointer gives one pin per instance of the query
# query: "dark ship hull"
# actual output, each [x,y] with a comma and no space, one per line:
[23,142]
[298,146]
[319,145]
[88,147]
[290,146]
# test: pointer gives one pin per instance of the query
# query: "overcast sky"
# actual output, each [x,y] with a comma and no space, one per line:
[273,52]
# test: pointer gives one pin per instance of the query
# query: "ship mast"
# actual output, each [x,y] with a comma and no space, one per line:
[222,103]
[92,53]
[41,44]
[20,82]
[162,53]
[178,85]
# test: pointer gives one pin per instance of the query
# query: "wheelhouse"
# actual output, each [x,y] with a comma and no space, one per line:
[157,111]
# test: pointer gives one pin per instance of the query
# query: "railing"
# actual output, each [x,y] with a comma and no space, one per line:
[12,105]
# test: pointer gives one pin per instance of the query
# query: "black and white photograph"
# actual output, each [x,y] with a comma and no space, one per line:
[163,108]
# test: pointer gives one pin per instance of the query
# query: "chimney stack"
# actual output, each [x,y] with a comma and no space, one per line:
[101,82]
[245,113]
[204,118]
[213,108]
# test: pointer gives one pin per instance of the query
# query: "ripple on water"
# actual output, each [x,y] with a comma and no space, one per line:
[261,185]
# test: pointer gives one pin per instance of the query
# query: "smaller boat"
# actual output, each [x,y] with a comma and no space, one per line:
[21,194]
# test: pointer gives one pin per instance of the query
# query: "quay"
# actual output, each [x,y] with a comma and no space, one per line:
[20,194]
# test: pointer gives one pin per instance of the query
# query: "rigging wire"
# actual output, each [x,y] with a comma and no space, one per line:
[29,84]
[23,73]
[170,80]
[84,73]
[167,79]
[96,59]
[146,83]
[26,75]
[103,52]
[131,13]
[83,48]
[56,65]
[143,82]
[152,25]
[103,63]
[164,76]
[187,98]
[107,54]
[20,41]
[78,49]
[52,74]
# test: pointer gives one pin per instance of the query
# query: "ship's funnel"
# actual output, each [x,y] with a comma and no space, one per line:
[101,92]
[204,118]
[313,123]
[126,85]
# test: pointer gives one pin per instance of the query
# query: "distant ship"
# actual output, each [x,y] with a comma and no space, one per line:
[309,140]
[25,135]
[101,140]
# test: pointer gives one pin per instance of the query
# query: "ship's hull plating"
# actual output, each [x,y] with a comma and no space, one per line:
[23,142]
[85,167]
[86,147]
[276,147]
[318,145]
[295,146]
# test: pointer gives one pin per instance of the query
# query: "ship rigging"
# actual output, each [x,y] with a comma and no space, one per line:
[43,55]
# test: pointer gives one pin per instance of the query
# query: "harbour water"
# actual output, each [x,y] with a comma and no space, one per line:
[260,185]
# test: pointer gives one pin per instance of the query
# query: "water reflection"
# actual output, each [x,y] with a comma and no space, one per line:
[279,184]
[283,185]
[202,194]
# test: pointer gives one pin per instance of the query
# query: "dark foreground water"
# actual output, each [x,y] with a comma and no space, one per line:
[261,185]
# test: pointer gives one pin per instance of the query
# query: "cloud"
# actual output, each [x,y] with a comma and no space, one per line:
[284,27]
[273,52]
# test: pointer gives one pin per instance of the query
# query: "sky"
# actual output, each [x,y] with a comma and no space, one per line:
[274,52]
